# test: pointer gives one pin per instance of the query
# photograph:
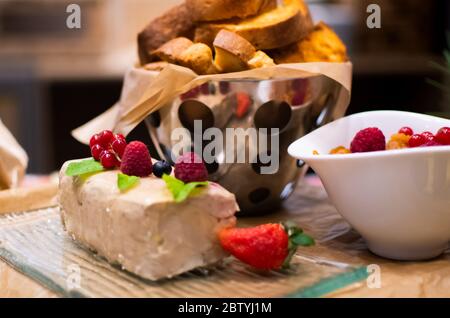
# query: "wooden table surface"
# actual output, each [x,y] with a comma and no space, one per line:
[336,242]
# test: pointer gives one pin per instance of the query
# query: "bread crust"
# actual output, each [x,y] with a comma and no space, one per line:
[235,44]
[260,59]
[321,45]
[273,29]
[214,10]
[177,22]
[171,51]
[235,54]
[198,57]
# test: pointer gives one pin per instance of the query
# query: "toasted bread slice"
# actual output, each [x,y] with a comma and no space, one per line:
[199,58]
[321,45]
[235,54]
[232,52]
[213,10]
[171,51]
[260,59]
[275,28]
[182,51]
[176,22]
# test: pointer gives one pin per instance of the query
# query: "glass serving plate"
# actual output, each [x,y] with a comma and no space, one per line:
[36,244]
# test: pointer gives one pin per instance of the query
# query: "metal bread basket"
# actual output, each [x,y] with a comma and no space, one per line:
[294,106]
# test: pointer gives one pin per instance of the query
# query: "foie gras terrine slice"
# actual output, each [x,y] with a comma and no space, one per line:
[144,229]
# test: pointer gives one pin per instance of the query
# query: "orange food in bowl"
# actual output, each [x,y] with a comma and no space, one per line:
[398,141]
[341,150]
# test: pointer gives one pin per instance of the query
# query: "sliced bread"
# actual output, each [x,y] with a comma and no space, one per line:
[232,52]
[182,51]
[235,54]
[213,10]
[274,28]
[171,51]
[321,45]
[177,22]
[198,57]
[260,59]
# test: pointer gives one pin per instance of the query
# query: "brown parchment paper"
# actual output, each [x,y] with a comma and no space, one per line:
[146,91]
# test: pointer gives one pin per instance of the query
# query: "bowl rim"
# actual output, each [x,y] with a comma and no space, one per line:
[372,154]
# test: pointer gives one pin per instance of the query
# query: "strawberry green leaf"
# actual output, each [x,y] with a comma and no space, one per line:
[301,239]
[291,228]
[296,238]
[82,167]
[125,182]
[292,248]
[181,190]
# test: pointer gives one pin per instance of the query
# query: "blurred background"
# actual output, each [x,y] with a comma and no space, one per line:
[54,79]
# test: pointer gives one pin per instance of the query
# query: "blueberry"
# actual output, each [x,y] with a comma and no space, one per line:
[161,167]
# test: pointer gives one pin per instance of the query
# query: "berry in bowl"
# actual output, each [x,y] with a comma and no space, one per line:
[388,174]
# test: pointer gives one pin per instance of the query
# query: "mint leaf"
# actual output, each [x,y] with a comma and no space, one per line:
[126,182]
[181,190]
[187,189]
[301,239]
[83,167]
[173,184]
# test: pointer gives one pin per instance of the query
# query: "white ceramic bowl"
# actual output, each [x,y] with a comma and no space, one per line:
[398,200]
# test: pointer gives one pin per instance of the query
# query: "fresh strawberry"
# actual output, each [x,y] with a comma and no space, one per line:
[243,103]
[267,246]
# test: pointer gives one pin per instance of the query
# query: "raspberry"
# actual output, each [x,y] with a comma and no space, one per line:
[406,131]
[189,167]
[443,136]
[369,139]
[136,160]
[417,140]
